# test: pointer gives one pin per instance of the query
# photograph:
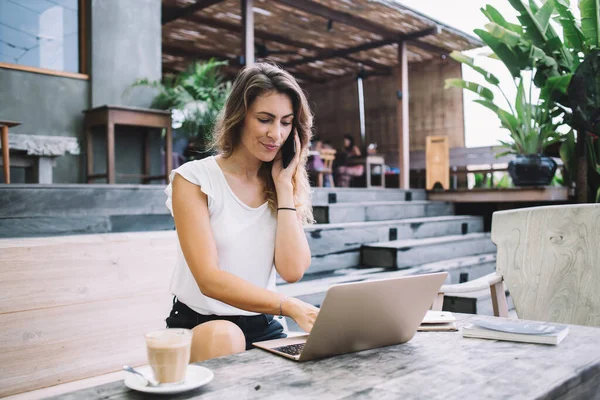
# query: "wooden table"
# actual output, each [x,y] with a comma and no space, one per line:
[433,365]
[5,150]
[110,116]
[369,162]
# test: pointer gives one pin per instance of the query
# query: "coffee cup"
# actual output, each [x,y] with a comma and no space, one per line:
[169,354]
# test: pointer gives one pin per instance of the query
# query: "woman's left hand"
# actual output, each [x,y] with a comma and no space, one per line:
[283,176]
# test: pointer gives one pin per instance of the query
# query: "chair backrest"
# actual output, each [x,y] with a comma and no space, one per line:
[549,258]
[328,156]
[437,169]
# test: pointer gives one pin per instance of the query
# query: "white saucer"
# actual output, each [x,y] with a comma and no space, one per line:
[195,377]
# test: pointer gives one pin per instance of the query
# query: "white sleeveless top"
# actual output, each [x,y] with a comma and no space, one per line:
[245,239]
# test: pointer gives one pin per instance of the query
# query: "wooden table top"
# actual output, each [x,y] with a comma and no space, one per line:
[10,124]
[108,107]
[433,365]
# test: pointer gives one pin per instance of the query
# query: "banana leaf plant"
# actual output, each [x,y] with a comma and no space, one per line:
[529,122]
[534,44]
[195,97]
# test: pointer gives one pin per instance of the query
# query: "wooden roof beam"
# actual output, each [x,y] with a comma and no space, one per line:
[339,16]
[348,19]
[264,35]
[363,47]
[173,13]
[195,53]
[202,54]
[375,65]
[428,47]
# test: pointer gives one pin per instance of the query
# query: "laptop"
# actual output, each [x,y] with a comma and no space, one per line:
[363,315]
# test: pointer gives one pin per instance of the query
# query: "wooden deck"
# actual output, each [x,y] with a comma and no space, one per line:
[510,195]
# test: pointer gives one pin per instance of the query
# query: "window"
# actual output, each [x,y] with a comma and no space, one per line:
[40,34]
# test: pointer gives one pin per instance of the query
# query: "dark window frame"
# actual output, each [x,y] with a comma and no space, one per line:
[83,52]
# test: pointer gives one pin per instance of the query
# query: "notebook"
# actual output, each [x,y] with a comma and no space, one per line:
[517,331]
[438,321]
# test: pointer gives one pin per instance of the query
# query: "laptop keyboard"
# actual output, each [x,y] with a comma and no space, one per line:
[292,349]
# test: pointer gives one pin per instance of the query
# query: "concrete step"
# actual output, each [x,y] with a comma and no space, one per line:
[312,289]
[54,210]
[335,246]
[379,211]
[322,196]
[410,252]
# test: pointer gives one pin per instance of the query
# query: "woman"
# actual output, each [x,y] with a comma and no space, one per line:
[239,218]
[346,172]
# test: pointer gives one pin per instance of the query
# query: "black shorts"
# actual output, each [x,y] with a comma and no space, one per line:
[256,328]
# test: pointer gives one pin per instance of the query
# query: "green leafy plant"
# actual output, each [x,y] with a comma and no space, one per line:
[534,45]
[194,96]
[481,180]
[529,122]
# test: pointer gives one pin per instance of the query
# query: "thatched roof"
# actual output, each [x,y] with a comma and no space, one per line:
[317,40]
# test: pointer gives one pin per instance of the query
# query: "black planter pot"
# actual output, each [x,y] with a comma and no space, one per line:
[532,170]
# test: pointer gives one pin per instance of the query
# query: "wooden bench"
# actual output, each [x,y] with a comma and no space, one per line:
[76,307]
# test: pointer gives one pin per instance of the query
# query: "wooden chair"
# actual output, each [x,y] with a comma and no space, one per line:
[327,155]
[549,258]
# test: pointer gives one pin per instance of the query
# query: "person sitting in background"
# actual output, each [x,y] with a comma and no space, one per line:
[345,172]
[315,163]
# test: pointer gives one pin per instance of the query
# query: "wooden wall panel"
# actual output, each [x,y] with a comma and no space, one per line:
[433,110]
[335,107]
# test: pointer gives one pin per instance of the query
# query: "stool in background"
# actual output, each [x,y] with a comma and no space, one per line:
[110,116]
[5,155]
[437,162]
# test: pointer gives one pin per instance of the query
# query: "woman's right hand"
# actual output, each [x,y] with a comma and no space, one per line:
[303,313]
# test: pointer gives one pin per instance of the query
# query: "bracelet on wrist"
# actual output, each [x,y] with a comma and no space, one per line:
[286,208]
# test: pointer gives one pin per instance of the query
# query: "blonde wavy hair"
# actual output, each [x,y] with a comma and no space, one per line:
[251,83]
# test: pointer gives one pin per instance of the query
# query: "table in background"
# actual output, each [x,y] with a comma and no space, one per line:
[110,116]
[369,162]
[433,365]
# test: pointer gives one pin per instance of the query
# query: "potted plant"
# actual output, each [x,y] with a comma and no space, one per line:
[534,44]
[195,97]
[529,122]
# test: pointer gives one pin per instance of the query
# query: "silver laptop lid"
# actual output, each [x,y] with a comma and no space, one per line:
[365,315]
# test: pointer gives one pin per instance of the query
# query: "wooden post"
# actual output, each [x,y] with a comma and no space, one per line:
[247,32]
[146,164]
[90,152]
[5,154]
[168,152]
[402,115]
[581,181]
[110,152]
